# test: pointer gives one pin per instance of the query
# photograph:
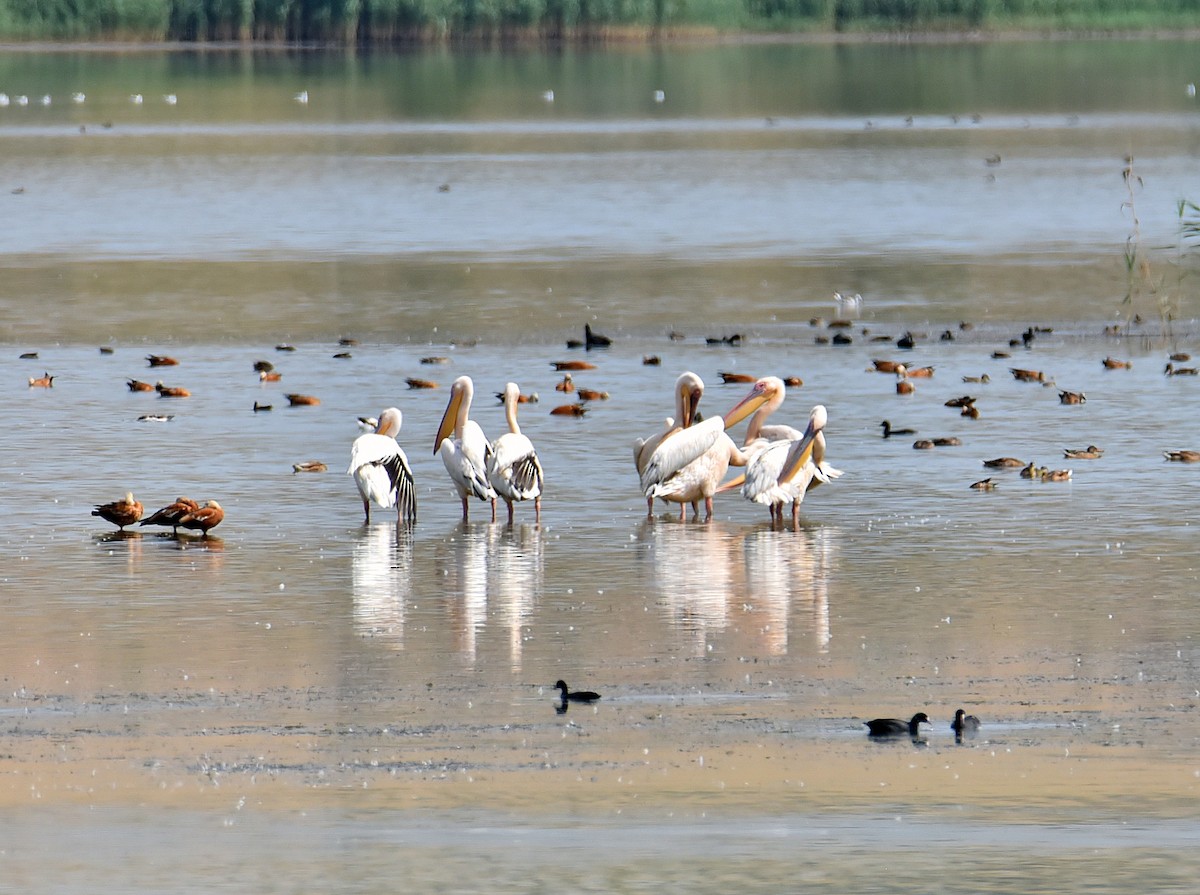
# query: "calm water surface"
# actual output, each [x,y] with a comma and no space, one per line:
[308,703]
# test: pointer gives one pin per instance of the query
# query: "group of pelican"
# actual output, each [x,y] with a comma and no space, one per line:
[507,467]
[684,463]
[687,461]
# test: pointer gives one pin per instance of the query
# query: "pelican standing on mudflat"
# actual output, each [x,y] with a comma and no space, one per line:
[514,471]
[381,471]
[686,462]
[464,448]
[785,470]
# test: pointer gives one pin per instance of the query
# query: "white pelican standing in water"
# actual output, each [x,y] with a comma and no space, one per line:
[468,452]
[686,462]
[514,471]
[381,471]
[785,471]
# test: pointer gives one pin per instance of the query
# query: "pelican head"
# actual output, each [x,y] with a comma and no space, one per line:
[801,451]
[768,389]
[389,422]
[689,389]
[461,393]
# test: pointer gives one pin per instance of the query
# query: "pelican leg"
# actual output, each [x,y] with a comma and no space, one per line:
[537,510]
[708,509]
[494,510]
[466,511]
[683,512]
[510,511]
[795,514]
[649,507]
[367,511]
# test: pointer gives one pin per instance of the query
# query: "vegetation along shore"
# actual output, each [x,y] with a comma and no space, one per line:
[400,21]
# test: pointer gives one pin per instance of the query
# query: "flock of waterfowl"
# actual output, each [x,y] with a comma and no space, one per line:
[183,513]
[968,404]
[684,463]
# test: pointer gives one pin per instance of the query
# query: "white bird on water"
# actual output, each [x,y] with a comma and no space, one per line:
[301,97]
[548,96]
[381,471]
[464,449]
[786,470]
[514,470]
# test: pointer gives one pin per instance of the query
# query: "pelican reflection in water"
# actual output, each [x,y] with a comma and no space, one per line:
[491,577]
[697,570]
[787,586]
[764,588]
[381,566]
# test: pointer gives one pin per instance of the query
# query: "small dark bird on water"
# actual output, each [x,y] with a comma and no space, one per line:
[894,727]
[964,724]
[594,339]
[888,431]
[575,695]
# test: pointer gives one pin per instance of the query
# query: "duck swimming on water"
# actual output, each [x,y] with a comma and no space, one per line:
[888,431]
[964,724]
[894,727]
[567,695]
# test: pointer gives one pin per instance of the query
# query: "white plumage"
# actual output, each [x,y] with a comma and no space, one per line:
[514,471]
[686,462]
[464,448]
[784,471]
[381,471]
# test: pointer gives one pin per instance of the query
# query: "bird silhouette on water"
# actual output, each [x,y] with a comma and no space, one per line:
[888,431]
[964,724]
[567,696]
[894,727]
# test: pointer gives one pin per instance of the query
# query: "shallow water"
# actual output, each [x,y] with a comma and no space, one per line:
[374,699]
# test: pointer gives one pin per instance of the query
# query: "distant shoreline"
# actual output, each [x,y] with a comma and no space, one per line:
[623,37]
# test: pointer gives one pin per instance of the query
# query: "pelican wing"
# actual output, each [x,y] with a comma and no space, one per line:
[382,473]
[466,461]
[514,471]
[780,432]
[699,478]
[644,448]
[678,449]
[761,483]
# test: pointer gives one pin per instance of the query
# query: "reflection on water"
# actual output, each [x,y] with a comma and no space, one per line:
[383,573]
[706,573]
[516,568]
[786,570]
[695,569]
